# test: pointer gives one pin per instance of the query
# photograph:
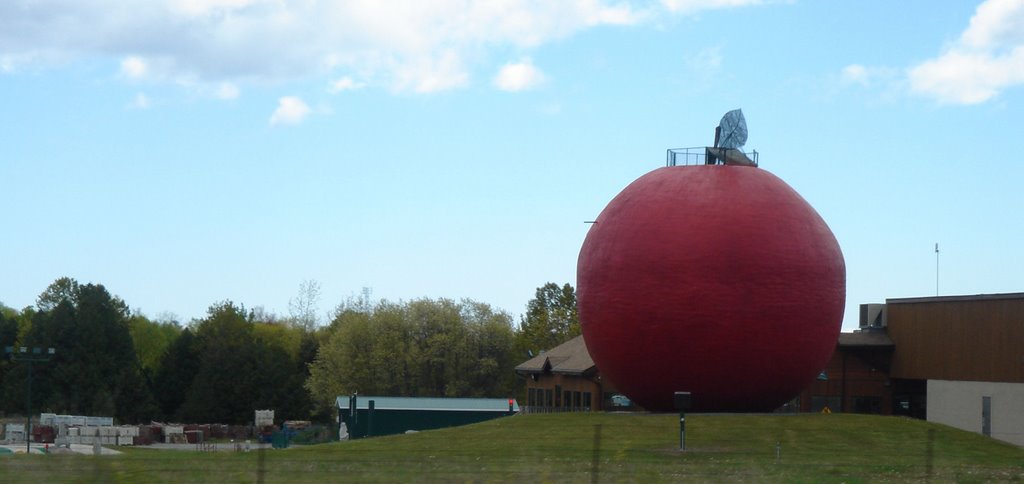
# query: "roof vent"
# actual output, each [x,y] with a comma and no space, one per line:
[873,316]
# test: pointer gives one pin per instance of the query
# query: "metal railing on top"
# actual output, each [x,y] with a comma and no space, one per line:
[697,155]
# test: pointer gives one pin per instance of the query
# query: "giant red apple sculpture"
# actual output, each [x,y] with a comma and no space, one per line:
[719,280]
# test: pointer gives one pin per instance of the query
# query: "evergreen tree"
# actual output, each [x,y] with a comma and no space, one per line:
[178,368]
[239,373]
[95,370]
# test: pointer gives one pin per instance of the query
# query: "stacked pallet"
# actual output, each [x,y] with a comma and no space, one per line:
[106,435]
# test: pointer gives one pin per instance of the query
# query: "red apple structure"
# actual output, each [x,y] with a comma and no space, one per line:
[718,280]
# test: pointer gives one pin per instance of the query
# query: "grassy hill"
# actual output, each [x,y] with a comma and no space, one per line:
[583,447]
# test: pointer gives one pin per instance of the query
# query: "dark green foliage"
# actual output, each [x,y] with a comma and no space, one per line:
[309,345]
[8,337]
[238,373]
[223,367]
[95,370]
[551,319]
[178,367]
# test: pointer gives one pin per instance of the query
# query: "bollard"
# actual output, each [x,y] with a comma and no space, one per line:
[682,401]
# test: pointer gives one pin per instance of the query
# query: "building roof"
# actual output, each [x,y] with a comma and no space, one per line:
[430,403]
[877,339]
[569,358]
[975,297]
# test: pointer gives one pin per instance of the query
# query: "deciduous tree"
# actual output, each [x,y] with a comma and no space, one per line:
[551,319]
[420,348]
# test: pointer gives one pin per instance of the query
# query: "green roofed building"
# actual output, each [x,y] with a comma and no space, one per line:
[368,416]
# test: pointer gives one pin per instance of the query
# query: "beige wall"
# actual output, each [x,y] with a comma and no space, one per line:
[959,404]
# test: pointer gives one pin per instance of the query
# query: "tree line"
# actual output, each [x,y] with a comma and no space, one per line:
[109,361]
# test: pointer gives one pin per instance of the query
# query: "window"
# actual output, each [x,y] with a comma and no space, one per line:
[558,395]
[867,405]
[586,400]
[567,402]
[549,399]
[577,400]
[819,402]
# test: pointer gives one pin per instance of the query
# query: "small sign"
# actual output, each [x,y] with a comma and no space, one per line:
[682,401]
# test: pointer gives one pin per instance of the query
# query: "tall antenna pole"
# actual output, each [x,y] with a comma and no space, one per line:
[936,268]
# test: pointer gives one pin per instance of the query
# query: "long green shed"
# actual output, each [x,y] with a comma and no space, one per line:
[367,416]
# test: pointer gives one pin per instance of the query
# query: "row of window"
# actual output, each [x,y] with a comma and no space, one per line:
[860,404]
[546,397]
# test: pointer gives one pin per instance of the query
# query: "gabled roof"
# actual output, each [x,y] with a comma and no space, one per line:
[569,358]
[429,403]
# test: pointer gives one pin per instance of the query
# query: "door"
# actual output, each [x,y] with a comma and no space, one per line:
[986,416]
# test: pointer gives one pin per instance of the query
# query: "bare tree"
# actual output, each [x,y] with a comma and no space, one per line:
[303,308]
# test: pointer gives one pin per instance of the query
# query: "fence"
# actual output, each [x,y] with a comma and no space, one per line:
[697,156]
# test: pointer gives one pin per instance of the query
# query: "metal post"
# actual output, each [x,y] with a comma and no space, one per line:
[682,402]
[28,411]
[27,357]
[354,409]
[682,431]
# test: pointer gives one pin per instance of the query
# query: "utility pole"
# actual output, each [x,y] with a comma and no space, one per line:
[29,355]
[936,269]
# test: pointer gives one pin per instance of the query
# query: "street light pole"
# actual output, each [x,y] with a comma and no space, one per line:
[28,410]
[36,355]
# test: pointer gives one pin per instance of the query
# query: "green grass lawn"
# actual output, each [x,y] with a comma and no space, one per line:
[583,447]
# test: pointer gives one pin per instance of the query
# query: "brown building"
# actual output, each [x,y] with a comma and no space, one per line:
[956,360]
[564,378]
[856,378]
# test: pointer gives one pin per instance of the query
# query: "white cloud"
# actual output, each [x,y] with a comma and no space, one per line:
[987,58]
[290,110]
[693,6]
[197,8]
[431,74]
[855,74]
[141,101]
[227,91]
[344,84]
[404,45]
[995,22]
[519,76]
[968,78]
[133,67]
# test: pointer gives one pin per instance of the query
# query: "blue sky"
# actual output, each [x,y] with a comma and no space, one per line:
[183,152]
